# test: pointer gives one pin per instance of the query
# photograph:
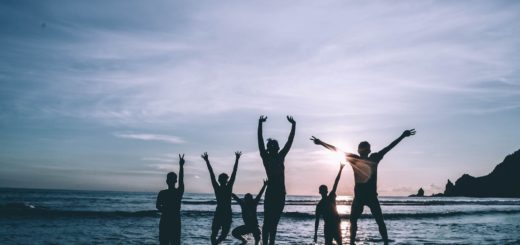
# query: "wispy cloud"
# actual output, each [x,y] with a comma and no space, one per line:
[402,61]
[151,137]
[346,70]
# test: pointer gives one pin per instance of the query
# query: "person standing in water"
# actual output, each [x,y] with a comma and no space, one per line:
[169,204]
[365,176]
[248,206]
[326,208]
[273,159]
[223,190]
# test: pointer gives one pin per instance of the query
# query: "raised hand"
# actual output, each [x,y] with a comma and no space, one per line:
[342,165]
[315,140]
[262,119]
[291,119]
[205,156]
[181,159]
[408,133]
[238,154]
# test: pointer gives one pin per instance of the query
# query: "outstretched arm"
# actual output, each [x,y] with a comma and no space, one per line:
[210,169]
[261,145]
[259,196]
[319,142]
[235,168]
[337,179]
[405,134]
[288,145]
[181,174]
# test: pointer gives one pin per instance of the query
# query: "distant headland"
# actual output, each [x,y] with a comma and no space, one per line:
[503,181]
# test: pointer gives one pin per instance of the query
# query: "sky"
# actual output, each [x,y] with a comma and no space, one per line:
[103,95]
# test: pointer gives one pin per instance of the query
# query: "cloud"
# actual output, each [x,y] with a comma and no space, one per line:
[343,69]
[151,137]
[402,60]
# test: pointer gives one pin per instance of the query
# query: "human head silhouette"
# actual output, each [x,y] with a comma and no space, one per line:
[223,179]
[248,197]
[272,146]
[364,149]
[323,190]
[171,179]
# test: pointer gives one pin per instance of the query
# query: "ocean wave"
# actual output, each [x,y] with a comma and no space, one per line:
[385,202]
[399,216]
[28,211]
[415,203]
[214,202]
[448,202]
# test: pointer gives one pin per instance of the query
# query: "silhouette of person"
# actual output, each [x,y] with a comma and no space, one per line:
[169,204]
[365,176]
[223,189]
[248,206]
[273,161]
[326,208]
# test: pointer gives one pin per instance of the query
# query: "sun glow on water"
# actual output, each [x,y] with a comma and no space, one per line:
[343,209]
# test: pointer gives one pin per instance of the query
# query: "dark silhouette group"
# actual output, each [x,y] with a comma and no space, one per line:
[364,167]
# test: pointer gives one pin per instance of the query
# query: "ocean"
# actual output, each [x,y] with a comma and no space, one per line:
[39,216]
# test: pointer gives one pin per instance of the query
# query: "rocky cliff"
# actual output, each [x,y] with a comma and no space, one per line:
[503,181]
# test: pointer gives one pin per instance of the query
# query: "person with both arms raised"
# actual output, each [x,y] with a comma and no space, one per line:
[249,205]
[273,159]
[223,190]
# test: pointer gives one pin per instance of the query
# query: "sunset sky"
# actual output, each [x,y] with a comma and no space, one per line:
[103,95]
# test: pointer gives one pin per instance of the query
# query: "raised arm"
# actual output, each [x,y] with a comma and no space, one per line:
[235,168]
[261,145]
[259,196]
[290,140]
[211,174]
[317,223]
[405,134]
[181,173]
[319,142]
[337,179]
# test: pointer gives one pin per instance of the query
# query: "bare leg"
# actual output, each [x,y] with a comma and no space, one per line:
[164,231]
[355,212]
[274,227]
[375,208]
[256,235]
[266,227]
[176,238]
[328,239]
[239,232]
[337,235]
[224,232]
[163,239]
[265,233]
[215,227]
[278,210]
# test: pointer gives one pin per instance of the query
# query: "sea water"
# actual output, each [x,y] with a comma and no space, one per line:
[38,216]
